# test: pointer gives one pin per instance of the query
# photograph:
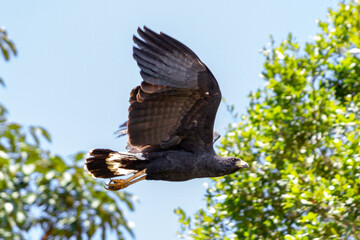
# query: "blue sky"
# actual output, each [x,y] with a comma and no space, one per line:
[75,70]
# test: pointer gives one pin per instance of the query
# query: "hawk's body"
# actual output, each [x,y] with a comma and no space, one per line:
[171,118]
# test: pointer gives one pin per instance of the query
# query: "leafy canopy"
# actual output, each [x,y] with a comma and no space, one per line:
[40,190]
[301,136]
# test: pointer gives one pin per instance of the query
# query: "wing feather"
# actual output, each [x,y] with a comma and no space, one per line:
[176,104]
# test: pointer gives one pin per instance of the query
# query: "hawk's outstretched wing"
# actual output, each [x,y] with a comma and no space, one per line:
[176,104]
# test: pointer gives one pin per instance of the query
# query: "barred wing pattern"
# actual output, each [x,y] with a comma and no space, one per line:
[176,104]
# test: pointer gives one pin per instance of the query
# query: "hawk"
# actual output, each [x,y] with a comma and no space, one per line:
[171,119]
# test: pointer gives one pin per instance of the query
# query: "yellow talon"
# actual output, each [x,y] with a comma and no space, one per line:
[118,184]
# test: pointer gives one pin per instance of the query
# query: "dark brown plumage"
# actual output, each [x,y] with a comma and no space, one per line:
[171,119]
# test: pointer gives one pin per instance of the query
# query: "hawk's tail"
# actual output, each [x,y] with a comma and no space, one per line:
[106,163]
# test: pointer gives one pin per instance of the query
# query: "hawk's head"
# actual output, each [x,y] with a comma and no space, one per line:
[232,164]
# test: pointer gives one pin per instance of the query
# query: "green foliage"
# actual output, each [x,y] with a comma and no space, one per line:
[302,138]
[7,47]
[40,190]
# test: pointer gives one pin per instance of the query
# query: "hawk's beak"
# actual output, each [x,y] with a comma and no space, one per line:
[241,164]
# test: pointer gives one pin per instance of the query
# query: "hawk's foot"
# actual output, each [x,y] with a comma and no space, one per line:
[118,184]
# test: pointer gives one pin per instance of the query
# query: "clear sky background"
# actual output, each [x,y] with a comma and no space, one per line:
[75,70]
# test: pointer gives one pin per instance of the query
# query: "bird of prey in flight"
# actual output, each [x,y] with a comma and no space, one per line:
[171,119]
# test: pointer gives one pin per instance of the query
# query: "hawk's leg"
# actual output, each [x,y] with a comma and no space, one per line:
[117,184]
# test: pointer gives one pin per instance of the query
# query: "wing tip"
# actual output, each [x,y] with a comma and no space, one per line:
[139,30]
[145,30]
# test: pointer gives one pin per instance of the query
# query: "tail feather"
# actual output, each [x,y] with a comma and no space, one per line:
[106,163]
